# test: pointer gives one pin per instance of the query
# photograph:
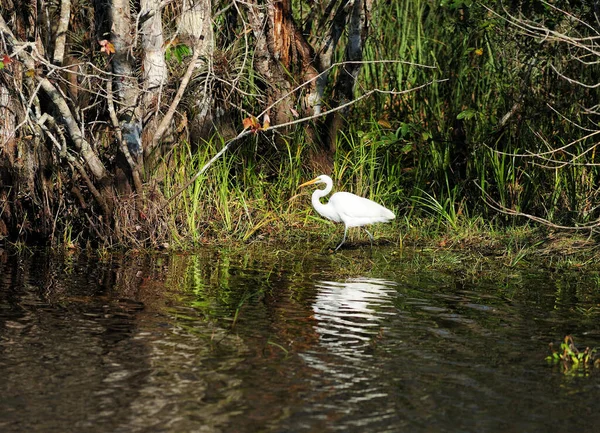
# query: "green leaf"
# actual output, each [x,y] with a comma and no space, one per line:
[406,148]
[466,114]
[179,52]
[404,129]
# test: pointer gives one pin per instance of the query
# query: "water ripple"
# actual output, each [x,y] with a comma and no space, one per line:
[351,317]
[350,314]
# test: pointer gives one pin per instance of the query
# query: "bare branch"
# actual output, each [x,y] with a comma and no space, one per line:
[574,81]
[354,101]
[285,125]
[75,133]
[166,121]
[326,71]
[61,31]
[504,210]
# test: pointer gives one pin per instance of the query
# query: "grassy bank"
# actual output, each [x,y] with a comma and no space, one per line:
[241,201]
[485,125]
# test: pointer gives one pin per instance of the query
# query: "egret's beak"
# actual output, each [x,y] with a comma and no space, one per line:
[310,182]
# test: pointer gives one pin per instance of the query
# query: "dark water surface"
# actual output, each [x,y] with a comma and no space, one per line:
[269,341]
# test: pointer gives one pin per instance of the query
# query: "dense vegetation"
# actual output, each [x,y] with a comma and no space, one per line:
[479,111]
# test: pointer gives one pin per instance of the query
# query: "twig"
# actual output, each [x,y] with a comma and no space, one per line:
[209,163]
[354,101]
[246,132]
[166,121]
[365,62]
[502,209]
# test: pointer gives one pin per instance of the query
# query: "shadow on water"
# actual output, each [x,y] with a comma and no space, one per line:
[265,340]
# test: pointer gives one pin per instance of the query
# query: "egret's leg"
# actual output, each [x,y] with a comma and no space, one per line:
[343,240]
[370,236]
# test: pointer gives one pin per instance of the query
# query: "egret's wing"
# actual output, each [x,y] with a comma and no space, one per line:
[358,211]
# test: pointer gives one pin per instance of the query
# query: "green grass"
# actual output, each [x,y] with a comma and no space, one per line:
[432,156]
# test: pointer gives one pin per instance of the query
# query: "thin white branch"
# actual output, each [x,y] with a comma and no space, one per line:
[61,31]
[166,121]
[574,81]
[326,71]
[503,209]
[246,132]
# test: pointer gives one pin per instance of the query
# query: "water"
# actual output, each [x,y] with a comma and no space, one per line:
[270,341]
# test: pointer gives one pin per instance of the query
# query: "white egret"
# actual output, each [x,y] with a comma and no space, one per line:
[347,208]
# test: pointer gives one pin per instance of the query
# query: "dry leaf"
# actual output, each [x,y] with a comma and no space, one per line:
[252,123]
[107,47]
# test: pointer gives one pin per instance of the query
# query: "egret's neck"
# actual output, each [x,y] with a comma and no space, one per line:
[316,198]
[321,208]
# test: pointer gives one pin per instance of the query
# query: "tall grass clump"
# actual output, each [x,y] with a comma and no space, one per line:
[475,133]
[431,133]
[245,193]
[494,109]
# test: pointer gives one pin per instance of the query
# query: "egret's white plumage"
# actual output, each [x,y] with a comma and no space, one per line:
[347,208]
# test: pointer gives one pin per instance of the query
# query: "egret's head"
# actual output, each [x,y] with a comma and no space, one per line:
[316,180]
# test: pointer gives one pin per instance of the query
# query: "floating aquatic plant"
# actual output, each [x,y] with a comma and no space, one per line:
[571,359]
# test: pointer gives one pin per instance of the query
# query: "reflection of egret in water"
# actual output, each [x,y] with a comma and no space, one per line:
[350,319]
[349,315]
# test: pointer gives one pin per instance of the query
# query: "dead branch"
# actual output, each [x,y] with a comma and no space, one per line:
[168,117]
[246,132]
[61,32]
[318,113]
[489,201]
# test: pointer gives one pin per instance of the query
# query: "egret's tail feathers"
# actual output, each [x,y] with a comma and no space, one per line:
[389,215]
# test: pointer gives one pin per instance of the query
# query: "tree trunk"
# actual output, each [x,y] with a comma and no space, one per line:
[154,70]
[154,65]
[344,87]
[195,24]
[125,82]
[8,154]
[61,32]
[283,58]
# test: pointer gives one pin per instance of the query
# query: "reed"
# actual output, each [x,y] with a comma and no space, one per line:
[433,155]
